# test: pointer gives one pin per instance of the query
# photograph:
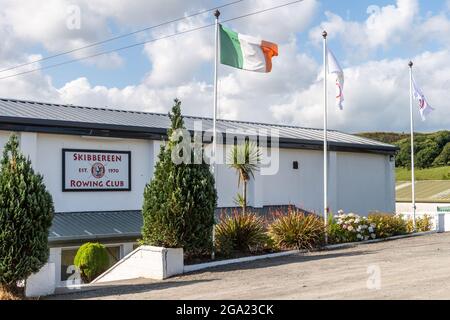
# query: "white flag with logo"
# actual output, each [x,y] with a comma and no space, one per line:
[424,107]
[335,68]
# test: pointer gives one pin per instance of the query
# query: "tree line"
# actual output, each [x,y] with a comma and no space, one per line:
[430,149]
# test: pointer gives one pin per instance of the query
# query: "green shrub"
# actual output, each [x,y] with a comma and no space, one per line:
[430,148]
[388,225]
[297,230]
[179,202]
[242,232]
[423,224]
[26,213]
[92,260]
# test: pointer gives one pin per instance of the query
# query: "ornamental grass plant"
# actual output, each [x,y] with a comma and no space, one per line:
[241,232]
[297,230]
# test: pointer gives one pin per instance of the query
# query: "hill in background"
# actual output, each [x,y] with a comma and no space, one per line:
[431,150]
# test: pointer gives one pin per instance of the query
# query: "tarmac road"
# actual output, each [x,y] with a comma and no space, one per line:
[410,268]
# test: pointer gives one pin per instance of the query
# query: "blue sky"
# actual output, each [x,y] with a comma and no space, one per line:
[373,40]
[136,63]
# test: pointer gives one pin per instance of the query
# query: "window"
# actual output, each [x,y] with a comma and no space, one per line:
[113,254]
[68,256]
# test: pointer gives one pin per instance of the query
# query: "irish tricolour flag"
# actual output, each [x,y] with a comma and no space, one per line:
[246,52]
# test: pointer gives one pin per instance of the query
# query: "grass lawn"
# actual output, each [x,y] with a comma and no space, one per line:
[440,173]
[437,191]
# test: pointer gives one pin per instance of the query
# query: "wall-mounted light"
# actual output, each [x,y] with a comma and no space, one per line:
[295,165]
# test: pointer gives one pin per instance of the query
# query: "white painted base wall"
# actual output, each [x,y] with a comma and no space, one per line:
[41,283]
[401,207]
[146,262]
[443,222]
[440,220]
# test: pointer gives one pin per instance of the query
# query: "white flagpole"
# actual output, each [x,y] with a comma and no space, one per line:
[214,146]
[325,136]
[413,180]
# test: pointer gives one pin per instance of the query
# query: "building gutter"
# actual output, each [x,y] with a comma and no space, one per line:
[150,133]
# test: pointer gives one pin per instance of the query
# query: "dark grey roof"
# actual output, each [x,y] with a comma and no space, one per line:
[69,119]
[79,226]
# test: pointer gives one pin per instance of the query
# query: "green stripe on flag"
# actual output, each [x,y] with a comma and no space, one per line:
[230,48]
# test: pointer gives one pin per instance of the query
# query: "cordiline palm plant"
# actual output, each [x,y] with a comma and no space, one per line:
[245,159]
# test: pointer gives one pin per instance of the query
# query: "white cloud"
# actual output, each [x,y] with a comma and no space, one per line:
[248,95]
[35,86]
[277,25]
[57,25]
[384,27]
[46,23]
[376,96]
[176,59]
[145,13]
[196,96]
[376,90]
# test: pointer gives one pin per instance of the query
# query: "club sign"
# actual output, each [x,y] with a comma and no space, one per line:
[96,170]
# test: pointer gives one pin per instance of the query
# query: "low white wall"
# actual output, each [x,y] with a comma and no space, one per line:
[443,222]
[146,262]
[440,220]
[420,206]
[42,283]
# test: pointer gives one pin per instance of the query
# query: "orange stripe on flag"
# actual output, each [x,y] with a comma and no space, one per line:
[270,50]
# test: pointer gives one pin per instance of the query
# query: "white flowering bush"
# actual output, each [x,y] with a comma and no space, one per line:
[350,227]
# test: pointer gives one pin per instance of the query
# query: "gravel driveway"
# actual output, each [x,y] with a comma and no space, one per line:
[411,268]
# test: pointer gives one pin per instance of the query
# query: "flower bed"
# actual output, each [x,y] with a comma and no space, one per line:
[247,234]
[351,227]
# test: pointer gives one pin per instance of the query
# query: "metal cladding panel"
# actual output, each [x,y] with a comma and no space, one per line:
[75,225]
[37,113]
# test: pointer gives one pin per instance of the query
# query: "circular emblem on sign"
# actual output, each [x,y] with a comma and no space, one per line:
[98,170]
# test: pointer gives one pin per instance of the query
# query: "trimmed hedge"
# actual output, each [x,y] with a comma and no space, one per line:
[92,260]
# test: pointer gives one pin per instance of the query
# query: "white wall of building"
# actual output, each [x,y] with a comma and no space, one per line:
[358,182]
[49,164]
[4,136]
[365,182]
[45,151]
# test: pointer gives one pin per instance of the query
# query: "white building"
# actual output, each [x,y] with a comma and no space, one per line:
[96,162]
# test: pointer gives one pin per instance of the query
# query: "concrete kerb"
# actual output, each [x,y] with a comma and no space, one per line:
[212,264]
[352,244]
[206,265]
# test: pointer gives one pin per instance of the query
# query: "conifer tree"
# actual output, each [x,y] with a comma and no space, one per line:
[26,213]
[179,202]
